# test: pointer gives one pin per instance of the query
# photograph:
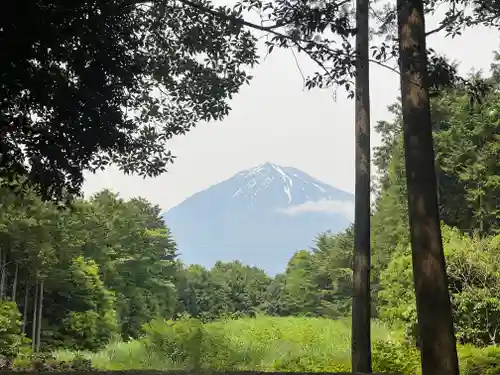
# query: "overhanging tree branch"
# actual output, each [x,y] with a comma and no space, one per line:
[318,52]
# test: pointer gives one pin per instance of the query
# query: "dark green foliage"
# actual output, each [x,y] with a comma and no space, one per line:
[81,310]
[468,148]
[227,290]
[316,283]
[319,282]
[97,82]
[107,267]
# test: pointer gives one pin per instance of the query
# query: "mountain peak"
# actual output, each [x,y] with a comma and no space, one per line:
[296,186]
[262,177]
[259,216]
[262,168]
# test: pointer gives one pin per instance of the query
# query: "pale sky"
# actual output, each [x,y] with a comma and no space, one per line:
[274,119]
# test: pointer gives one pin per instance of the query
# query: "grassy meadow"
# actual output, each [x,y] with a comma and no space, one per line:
[269,344]
[263,343]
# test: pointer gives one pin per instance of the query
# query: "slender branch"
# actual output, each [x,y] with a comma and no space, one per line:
[234,19]
[222,15]
[392,69]
[298,66]
[380,63]
[444,25]
[271,30]
[296,42]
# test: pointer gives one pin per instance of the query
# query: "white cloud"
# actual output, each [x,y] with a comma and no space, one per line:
[324,205]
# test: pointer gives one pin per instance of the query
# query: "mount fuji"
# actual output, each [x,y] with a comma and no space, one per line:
[260,216]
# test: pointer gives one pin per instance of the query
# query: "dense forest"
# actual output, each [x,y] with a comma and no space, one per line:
[107,270]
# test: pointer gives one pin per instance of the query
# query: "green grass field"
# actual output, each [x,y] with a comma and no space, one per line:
[271,344]
[263,343]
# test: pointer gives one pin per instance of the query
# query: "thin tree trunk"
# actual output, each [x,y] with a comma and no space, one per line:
[438,171]
[39,320]
[25,308]
[2,274]
[3,294]
[33,328]
[435,323]
[14,284]
[361,304]
[481,215]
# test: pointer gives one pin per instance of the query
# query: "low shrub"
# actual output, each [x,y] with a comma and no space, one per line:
[179,340]
[479,361]
[12,340]
[48,362]
[395,358]
[189,344]
[310,363]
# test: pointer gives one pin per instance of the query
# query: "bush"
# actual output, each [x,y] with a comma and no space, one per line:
[472,266]
[48,362]
[189,344]
[88,330]
[479,361]
[179,340]
[216,350]
[11,338]
[119,356]
[395,358]
[400,358]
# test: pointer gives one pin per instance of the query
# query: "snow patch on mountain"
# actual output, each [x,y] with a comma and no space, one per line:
[319,187]
[294,184]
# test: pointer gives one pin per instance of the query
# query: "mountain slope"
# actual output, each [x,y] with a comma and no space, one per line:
[260,216]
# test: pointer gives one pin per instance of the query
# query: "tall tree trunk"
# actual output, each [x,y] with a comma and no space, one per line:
[437,167]
[2,274]
[14,284]
[33,328]
[39,320]
[3,281]
[481,214]
[25,308]
[361,304]
[435,322]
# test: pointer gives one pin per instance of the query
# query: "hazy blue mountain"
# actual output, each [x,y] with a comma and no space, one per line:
[260,216]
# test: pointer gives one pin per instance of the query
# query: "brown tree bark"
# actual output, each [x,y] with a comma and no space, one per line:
[3,281]
[25,308]
[14,284]
[39,319]
[435,322]
[361,304]
[2,274]
[33,328]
